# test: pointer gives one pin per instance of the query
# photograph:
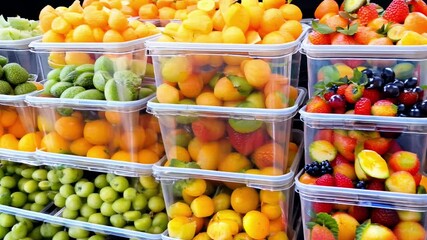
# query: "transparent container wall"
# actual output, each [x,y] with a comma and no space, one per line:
[224,78]
[349,141]
[204,201]
[129,136]
[25,58]
[388,220]
[225,142]
[329,70]
[134,60]
[295,72]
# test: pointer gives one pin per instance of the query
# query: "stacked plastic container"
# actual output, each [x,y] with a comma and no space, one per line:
[395,208]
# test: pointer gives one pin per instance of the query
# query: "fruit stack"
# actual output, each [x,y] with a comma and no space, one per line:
[232,204]
[364,126]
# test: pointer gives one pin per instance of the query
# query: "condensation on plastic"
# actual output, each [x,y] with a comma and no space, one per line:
[251,180]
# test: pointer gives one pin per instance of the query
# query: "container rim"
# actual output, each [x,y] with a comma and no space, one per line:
[281,182]
[364,122]
[370,198]
[39,46]
[21,44]
[253,49]
[363,51]
[160,109]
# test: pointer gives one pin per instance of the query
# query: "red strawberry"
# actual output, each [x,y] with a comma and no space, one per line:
[342,180]
[408,98]
[319,232]
[318,105]
[342,39]
[208,129]
[376,184]
[341,89]
[359,213]
[367,13]
[372,94]
[379,145]
[344,144]
[353,93]
[386,217]
[325,134]
[397,11]
[317,38]
[339,159]
[246,143]
[327,95]
[325,180]
[319,207]
[384,108]
[363,106]
[418,6]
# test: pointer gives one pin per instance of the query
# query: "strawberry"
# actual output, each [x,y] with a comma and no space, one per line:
[353,93]
[321,233]
[327,95]
[342,39]
[384,108]
[325,180]
[339,159]
[318,38]
[367,13]
[325,134]
[359,213]
[386,217]
[372,94]
[397,11]
[418,6]
[246,143]
[319,207]
[344,144]
[363,106]
[376,184]
[341,89]
[342,180]
[379,145]
[318,105]
[408,98]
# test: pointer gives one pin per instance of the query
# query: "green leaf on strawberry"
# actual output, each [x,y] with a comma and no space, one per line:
[350,30]
[421,190]
[326,220]
[359,78]
[321,28]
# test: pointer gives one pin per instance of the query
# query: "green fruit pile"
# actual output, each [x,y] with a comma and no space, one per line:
[14,79]
[16,28]
[14,227]
[26,187]
[98,81]
[129,203]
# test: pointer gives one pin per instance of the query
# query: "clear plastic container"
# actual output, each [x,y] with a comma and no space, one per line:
[216,137]
[108,136]
[328,63]
[251,180]
[18,51]
[192,199]
[271,69]
[395,212]
[130,55]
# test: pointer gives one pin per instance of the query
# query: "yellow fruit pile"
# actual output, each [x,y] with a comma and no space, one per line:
[268,22]
[94,23]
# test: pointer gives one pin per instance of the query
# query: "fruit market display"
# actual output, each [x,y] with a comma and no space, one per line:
[370,88]
[17,28]
[366,23]
[99,80]
[94,23]
[201,209]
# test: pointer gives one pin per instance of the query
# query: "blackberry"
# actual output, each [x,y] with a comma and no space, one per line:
[388,75]
[361,185]
[317,169]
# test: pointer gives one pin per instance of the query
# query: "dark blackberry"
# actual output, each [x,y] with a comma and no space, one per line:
[361,185]
[399,84]
[391,90]
[388,75]
[411,82]
[423,107]
[375,82]
[401,108]
[317,169]
[415,112]
[369,73]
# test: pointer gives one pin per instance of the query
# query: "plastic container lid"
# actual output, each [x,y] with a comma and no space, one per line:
[128,169]
[19,156]
[281,182]
[361,197]
[39,46]
[267,115]
[22,44]
[363,51]
[363,122]
[222,48]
